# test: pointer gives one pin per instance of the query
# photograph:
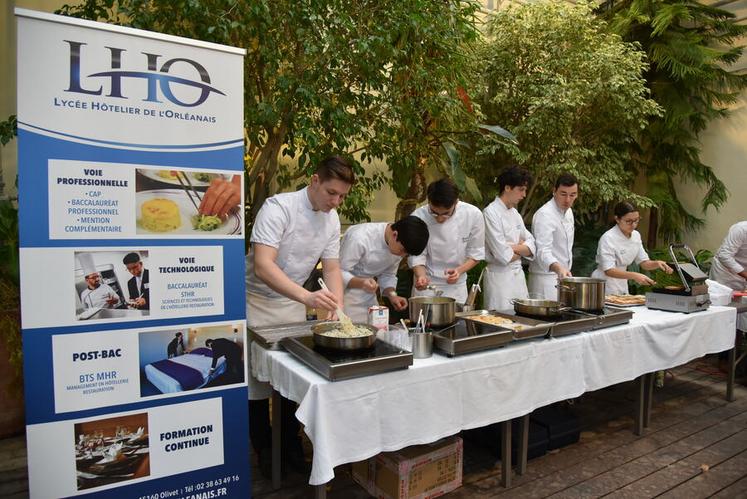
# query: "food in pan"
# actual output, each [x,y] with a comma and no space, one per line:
[204,176]
[160,215]
[625,299]
[341,332]
[206,222]
[498,321]
[674,288]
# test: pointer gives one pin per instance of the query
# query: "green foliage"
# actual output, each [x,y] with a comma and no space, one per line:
[8,129]
[572,94]
[690,47]
[369,80]
[585,243]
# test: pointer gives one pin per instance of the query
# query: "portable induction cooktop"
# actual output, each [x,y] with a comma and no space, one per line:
[337,365]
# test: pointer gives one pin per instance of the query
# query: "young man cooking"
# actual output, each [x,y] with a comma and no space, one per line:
[507,240]
[373,251]
[552,226]
[292,232]
[729,265]
[455,245]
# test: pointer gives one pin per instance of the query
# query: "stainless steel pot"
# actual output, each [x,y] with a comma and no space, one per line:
[441,310]
[538,308]
[335,343]
[582,293]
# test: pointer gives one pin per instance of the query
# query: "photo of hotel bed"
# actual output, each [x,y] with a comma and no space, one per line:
[179,360]
[111,450]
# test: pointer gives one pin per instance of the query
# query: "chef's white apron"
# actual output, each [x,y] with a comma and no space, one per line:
[457,291]
[263,311]
[357,302]
[543,286]
[612,285]
[501,284]
[735,282]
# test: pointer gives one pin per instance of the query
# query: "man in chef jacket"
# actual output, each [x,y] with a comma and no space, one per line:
[729,266]
[507,240]
[98,294]
[292,231]
[456,242]
[374,251]
[552,226]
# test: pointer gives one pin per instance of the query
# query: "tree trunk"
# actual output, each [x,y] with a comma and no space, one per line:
[415,193]
[653,228]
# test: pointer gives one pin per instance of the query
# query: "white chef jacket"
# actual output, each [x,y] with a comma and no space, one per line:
[96,298]
[364,253]
[616,250]
[450,243]
[553,236]
[729,260]
[301,235]
[504,279]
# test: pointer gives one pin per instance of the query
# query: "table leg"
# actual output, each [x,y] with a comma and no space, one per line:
[732,366]
[320,491]
[276,423]
[506,453]
[649,400]
[521,455]
[638,428]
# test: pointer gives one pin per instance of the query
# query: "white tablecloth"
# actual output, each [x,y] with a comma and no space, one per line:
[355,419]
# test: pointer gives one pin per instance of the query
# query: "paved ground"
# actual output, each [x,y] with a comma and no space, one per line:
[695,447]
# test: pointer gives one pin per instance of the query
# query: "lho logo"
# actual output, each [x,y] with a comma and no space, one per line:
[157,79]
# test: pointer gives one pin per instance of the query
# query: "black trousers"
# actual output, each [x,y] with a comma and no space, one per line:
[260,431]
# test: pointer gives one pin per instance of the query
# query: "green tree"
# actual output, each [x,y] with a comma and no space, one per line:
[350,76]
[574,96]
[690,48]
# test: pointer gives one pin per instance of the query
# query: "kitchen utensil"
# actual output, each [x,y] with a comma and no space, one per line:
[342,343]
[441,309]
[340,314]
[189,192]
[422,345]
[581,293]
[538,308]
[404,324]
[470,303]
[437,292]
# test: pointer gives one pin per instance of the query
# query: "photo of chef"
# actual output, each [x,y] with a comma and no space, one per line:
[179,360]
[111,285]
[111,450]
[188,202]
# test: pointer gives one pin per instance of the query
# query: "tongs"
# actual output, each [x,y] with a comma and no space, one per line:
[340,314]
[191,191]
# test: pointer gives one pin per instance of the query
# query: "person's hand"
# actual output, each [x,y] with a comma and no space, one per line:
[323,299]
[643,280]
[139,302]
[111,300]
[221,197]
[369,285]
[422,282]
[452,275]
[398,302]
[331,316]
[663,266]
[560,270]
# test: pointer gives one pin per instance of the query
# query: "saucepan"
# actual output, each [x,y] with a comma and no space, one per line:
[582,293]
[342,343]
[439,311]
[538,308]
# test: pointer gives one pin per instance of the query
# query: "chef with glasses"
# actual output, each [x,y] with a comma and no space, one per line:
[456,243]
[621,246]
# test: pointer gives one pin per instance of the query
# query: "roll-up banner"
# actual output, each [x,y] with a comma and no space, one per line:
[132,301]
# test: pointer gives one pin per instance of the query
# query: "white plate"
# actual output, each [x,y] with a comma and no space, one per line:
[153,175]
[232,225]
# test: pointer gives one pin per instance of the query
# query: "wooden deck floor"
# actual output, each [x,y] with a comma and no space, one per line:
[695,447]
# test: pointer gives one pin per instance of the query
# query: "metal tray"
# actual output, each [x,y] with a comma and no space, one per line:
[528,328]
[269,336]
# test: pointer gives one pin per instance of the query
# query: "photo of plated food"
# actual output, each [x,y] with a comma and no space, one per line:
[111,450]
[187,203]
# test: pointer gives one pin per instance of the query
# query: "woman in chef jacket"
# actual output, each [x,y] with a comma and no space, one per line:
[729,266]
[370,255]
[456,242]
[619,247]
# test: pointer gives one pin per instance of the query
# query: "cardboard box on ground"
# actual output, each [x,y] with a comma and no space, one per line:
[417,472]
